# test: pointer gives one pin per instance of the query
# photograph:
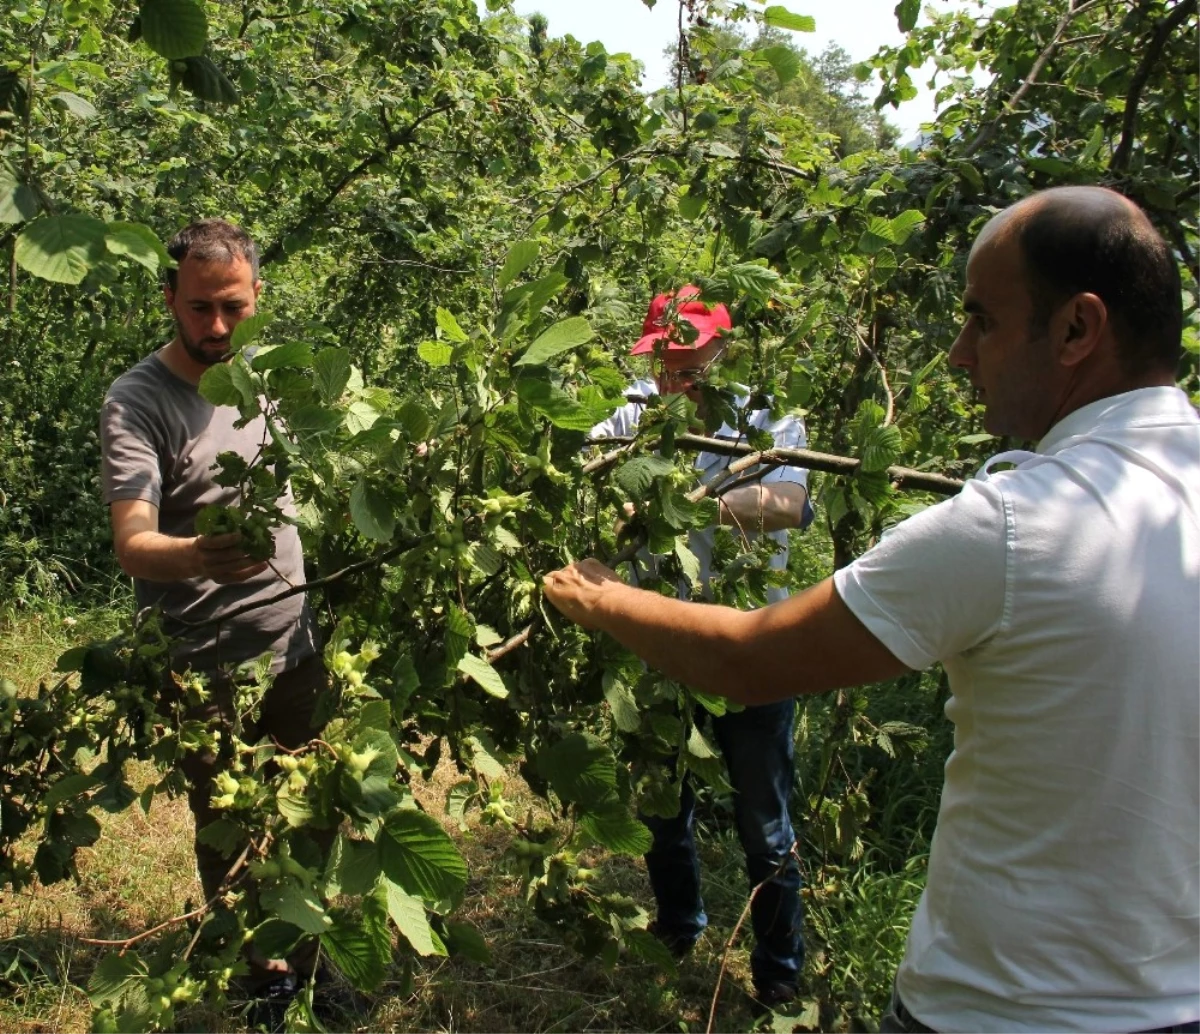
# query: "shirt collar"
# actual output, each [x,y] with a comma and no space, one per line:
[1131,407]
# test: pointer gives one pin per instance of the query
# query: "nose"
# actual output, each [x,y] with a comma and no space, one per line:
[962,352]
[220,326]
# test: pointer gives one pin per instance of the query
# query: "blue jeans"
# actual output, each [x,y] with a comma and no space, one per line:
[898,1020]
[757,744]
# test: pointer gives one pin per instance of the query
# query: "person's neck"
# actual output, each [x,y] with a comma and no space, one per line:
[182,365]
[1106,387]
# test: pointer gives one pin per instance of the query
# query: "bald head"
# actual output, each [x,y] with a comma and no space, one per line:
[1074,240]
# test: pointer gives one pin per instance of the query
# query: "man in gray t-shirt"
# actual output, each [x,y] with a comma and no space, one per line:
[159,442]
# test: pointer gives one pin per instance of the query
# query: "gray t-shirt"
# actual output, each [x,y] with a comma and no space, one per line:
[159,440]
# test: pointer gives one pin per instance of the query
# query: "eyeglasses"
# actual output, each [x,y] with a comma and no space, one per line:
[690,375]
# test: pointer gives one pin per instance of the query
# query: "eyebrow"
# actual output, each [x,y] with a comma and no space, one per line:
[973,307]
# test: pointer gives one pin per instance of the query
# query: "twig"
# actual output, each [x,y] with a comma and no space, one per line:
[712,1012]
[316,583]
[507,647]
[891,398]
[129,942]
[985,135]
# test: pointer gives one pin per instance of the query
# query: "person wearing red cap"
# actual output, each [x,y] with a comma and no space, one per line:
[687,338]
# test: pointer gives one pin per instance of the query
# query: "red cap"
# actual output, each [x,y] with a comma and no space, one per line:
[708,321]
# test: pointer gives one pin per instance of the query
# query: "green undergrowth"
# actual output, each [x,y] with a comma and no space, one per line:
[141,873]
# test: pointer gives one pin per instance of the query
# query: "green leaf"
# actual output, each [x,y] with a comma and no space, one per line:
[691,205]
[353,866]
[901,228]
[18,203]
[114,976]
[408,913]
[223,836]
[688,561]
[248,330]
[203,79]
[436,353]
[61,248]
[297,905]
[174,28]
[581,769]
[881,448]
[371,511]
[617,830]
[876,237]
[331,372]
[139,243]
[419,855]
[519,258]
[75,105]
[635,476]
[460,630]
[449,326]
[463,940]
[484,559]
[562,337]
[483,674]
[784,60]
[360,944]
[414,420]
[781,18]
[67,787]
[906,14]
[622,703]
[295,355]
[217,387]
[553,402]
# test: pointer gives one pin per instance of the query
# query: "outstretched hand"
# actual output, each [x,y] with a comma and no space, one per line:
[579,590]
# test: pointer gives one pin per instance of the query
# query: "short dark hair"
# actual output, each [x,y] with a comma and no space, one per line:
[211,240]
[1087,239]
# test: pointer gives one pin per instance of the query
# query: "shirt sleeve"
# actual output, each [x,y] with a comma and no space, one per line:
[936,585]
[129,462]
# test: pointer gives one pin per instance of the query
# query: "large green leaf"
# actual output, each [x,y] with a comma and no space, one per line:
[780,17]
[419,856]
[881,448]
[617,830]
[139,243]
[635,476]
[248,330]
[353,866]
[75,105]
[562,337]
[622,703]
[174,28]
[784,60]
[449,326]
[18,203]
[582,770]
[203,79]
[483,674]
[331,372]
[216,385]
[552,401]
[906,14]
[297,905]
[408,913]
[61,248]
[359,942]
[520,256]
[436,353]
[371,511]
[295,355]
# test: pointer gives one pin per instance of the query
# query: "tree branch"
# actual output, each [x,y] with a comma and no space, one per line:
[904,478]
[392,143]
[1141,75]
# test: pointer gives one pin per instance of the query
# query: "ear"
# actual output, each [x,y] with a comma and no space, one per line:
[168,294]
[1082,326]
[257,288]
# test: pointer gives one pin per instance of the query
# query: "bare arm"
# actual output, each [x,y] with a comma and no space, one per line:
[771,507]
[806,644]
[144,552]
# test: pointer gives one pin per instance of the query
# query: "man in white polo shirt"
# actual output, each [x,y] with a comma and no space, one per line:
[1063,598]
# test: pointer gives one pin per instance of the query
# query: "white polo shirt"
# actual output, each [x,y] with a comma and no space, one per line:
[1063,598]
[787,432]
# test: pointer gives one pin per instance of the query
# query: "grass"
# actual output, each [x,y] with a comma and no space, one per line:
[142,872]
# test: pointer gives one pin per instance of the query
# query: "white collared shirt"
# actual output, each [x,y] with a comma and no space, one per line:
[1063,597]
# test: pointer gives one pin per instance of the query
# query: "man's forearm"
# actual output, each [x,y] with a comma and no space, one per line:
[759,507]
[159,558]
[696,644]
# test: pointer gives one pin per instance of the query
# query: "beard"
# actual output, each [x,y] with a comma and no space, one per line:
[205,351]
